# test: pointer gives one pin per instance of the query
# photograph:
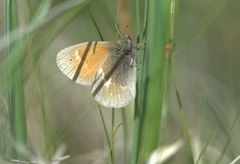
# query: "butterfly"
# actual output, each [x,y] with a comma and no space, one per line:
[108,67]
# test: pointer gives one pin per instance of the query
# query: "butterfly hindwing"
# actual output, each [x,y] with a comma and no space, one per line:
[81,62]
[114,84]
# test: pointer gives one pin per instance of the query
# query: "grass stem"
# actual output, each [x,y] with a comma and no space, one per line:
[107,135]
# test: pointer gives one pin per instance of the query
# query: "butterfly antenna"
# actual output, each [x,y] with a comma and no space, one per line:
[118,30]
[125,30]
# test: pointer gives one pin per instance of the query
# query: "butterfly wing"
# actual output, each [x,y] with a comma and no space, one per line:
[114,84]
[81,62]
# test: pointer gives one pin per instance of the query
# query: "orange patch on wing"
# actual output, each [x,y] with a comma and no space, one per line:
[94,58]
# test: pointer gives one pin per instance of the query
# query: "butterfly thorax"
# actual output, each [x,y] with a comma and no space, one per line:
[123,47]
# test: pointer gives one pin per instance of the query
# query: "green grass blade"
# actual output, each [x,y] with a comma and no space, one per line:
[15,79]
[157,74]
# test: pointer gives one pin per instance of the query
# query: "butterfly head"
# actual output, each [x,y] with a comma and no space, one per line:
[127,44]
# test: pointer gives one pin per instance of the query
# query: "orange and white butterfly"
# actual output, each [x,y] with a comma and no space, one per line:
[109,67]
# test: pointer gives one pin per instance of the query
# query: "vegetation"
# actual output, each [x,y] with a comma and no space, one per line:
[186,109]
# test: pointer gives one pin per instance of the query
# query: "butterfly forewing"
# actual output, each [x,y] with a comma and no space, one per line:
[82,61]
[114,84]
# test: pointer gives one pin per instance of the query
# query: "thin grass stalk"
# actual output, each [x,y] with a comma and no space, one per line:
[109,142]
[137,4]
[229,139]
[187,135]
[138,110]
[125,133]
[174,4]
[181,109]
[107,135]
[135,147]
[209,140]
[113,132]
[95,24]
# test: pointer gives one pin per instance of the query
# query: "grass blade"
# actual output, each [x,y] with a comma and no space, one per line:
[157,74]
[15,88]
[107,135]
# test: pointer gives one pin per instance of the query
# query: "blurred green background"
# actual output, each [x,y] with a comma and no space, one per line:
[60,112]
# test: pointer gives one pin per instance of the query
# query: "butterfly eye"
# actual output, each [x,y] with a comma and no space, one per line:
[71,59]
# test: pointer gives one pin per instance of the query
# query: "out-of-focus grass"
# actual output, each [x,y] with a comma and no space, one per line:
[20,63]
[16,102]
